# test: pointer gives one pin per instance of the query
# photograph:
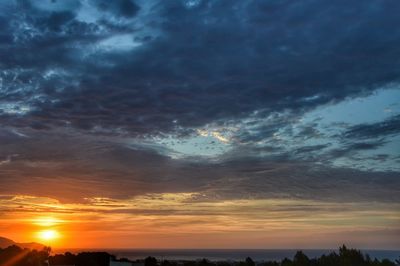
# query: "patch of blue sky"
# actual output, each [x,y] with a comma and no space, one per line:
[122,42]
[16,108]
[376,107]
[203,145]
[191,3]
[330,121]
[88,13]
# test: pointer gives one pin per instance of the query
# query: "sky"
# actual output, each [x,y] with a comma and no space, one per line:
[200,123]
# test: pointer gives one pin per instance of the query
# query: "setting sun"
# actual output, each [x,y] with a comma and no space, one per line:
[47,235]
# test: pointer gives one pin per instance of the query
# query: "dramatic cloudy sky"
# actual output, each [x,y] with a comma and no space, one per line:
[201,123]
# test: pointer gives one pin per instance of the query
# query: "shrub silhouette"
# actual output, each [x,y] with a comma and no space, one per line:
[250,262]
[300,259]
[150,261]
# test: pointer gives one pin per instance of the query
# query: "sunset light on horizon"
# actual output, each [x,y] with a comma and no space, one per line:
[141,222]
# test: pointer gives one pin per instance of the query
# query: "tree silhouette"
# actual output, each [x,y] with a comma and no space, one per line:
[286,262]
[250,262]
[150,261]
[300,259]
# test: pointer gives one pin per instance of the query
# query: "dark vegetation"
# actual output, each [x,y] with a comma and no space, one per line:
[16,256]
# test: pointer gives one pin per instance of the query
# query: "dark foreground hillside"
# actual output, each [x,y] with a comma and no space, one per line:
[16,256]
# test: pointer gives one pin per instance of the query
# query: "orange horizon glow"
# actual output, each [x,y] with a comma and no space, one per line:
[141,222]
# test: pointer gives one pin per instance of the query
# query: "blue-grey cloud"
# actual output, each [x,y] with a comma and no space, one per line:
[71,167]
[385,128]
[124,8]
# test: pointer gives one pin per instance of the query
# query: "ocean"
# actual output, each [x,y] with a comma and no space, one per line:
[229,254]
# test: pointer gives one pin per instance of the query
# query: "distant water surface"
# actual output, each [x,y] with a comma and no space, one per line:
[229,254]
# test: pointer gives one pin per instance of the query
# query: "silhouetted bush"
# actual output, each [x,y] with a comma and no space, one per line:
[190,263]
[250,262]
[205,262]
[168,263]
[150,261]
[300,259]
[223,263]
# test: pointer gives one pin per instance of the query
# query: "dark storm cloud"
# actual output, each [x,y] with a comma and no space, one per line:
[197,63]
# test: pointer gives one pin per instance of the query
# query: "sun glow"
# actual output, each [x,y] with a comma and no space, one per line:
[46,221]
[47,235]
